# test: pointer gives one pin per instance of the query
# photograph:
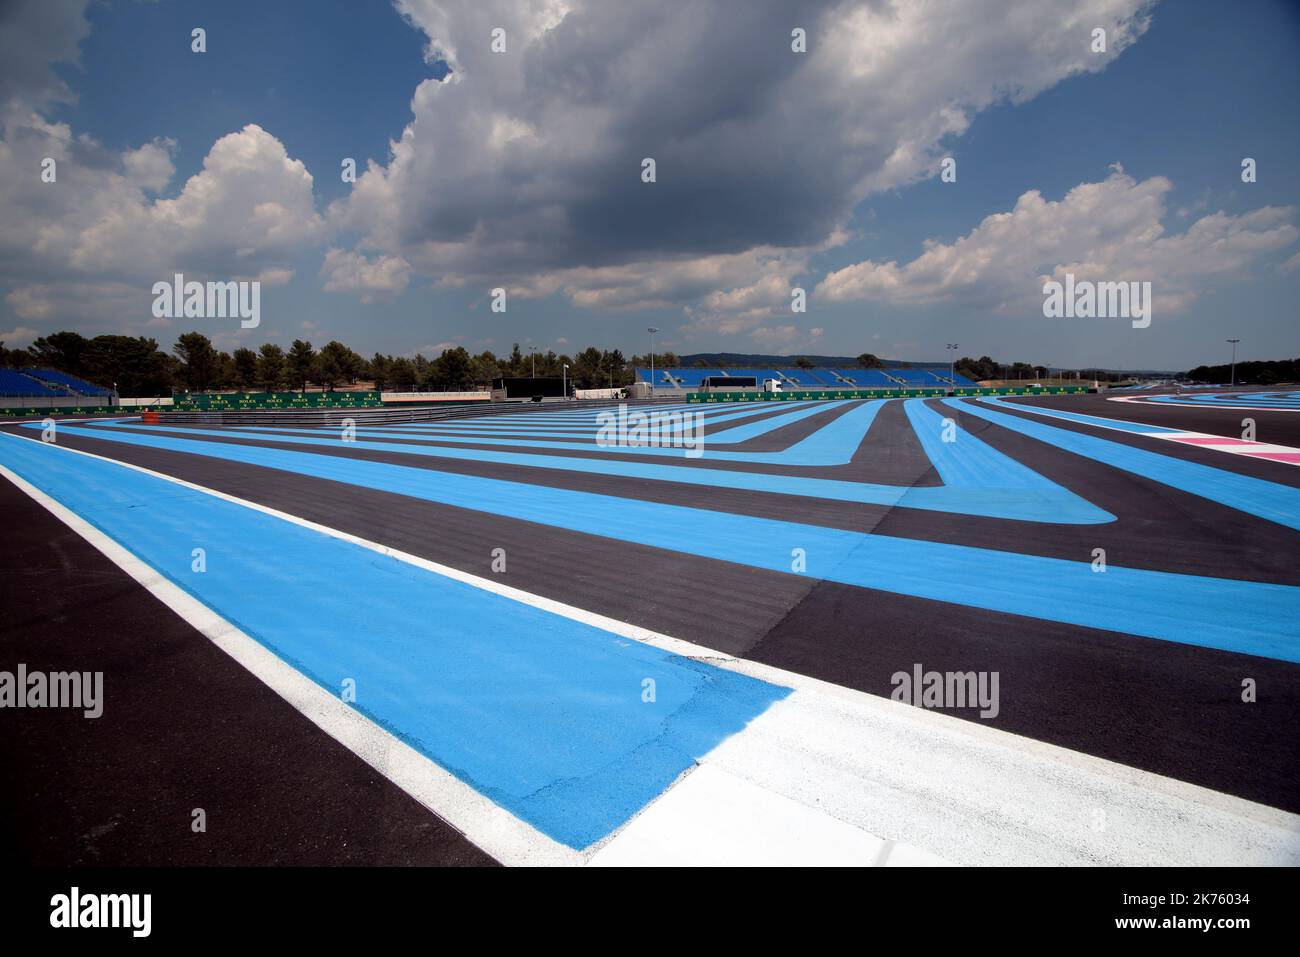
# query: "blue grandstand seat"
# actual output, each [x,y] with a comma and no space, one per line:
[871,378]
[819,378]
[13,382]
[800,378]
[913,377]
[676,378]
[54,379]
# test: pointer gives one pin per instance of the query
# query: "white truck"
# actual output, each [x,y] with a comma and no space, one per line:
[771,385]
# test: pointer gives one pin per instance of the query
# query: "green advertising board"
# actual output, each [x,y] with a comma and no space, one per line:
[7,413]
[244,401]
[832,394]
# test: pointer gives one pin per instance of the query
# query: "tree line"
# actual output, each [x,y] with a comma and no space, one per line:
[137,366]
[1253,372]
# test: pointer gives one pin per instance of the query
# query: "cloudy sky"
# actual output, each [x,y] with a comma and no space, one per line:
[775,169]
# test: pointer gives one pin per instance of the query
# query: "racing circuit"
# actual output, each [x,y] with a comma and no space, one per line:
[494,638]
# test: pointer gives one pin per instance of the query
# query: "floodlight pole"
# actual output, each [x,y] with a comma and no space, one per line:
[652,330]
[1234,360]
[952,364]
[564,379]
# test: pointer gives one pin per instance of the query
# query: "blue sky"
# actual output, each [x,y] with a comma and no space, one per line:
[776,170]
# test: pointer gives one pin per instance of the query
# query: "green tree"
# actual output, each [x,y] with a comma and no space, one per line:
[451,370]
[270,367]
[135,364]
[403,375]
[483,368]
[379,370]
[14,358]
[245,361]
[976,369]
[869,361]
[616,363]
[587,371]
[200,363]
[301,359]
[225,374]
[61,350]
[337,362]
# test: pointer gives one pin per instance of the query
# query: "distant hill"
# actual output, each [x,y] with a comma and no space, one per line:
[740,360]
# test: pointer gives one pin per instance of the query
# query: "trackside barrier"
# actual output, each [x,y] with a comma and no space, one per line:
[248,401]
[830,394]
[1021,390]
[334,417]
[815,394]
[73,410]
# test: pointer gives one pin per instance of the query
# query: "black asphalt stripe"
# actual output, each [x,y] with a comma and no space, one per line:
[1155,705]
[1275,426]
[1283,432]
[903,463]
[765,504]
[1160,706]
[777,440]
[1157,527]
[183,727]
[717,604]
[760,412]
[891,447]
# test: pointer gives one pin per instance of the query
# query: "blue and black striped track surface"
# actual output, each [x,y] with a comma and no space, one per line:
[1260,399]
[971,554]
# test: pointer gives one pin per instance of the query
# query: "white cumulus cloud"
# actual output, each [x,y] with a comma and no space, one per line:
[1106,231]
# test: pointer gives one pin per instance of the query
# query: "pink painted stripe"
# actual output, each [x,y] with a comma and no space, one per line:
[1207,440]
[1276,456]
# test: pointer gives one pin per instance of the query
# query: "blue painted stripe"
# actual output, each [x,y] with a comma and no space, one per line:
[1233,400]
[1264,619]
[540,713]
[1042,504]
[966,461]
[1228,400]
[1268,500]
[1135,427]
[833,444]
[729,435]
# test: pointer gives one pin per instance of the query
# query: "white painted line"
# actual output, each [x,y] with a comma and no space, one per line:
[919,786]
[492,828]
[714,818]
[972,795]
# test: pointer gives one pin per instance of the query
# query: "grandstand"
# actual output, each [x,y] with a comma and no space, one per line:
[809,379]
[70,384]
[19,384]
